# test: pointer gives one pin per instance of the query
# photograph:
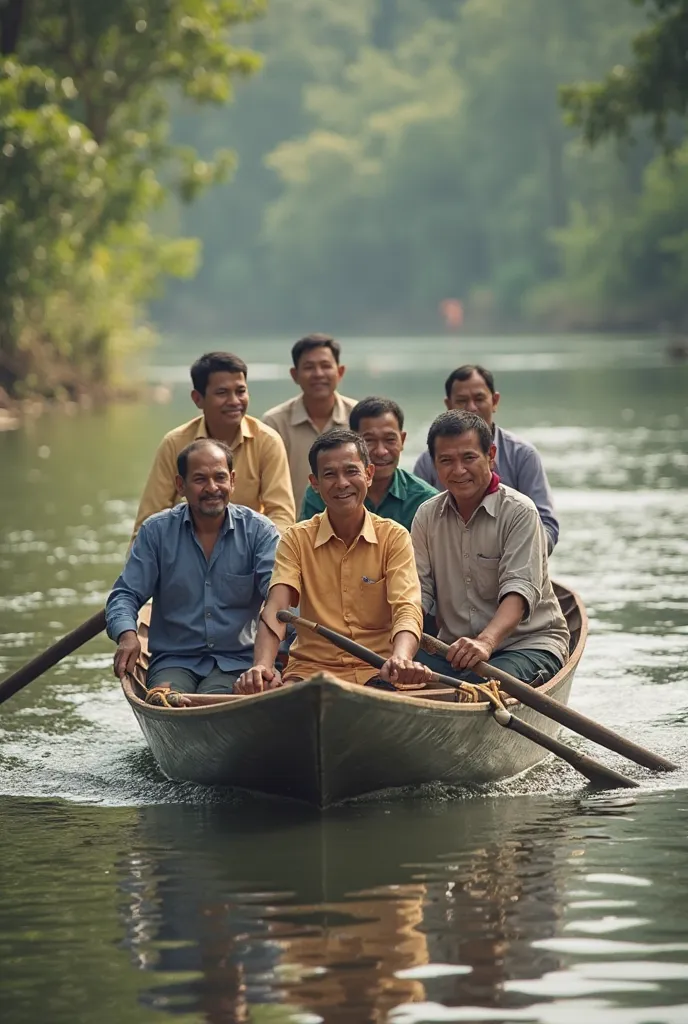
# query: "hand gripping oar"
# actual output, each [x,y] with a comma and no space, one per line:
[559,712]
[593,770]
[42,662]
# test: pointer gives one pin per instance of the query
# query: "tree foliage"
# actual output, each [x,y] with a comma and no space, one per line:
[652,85]
[84,103]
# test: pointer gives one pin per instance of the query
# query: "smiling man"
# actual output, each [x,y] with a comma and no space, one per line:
[207,565]
[393,493]
[481,554]
[220,391]
[319,407]
[472,389]
[348,569]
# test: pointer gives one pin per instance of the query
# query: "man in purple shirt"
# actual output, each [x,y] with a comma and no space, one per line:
[517,462]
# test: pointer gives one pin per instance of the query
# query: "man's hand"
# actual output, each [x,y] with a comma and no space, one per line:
[127,653]
[257,679]
[405,674]
[465,653]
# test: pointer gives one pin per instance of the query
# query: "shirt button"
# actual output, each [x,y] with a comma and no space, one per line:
[207,583]
[207,615]
[211,644]
[468,579]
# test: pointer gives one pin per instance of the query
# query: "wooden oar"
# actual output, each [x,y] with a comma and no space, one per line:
[558,712]
[42,662]
[593,770]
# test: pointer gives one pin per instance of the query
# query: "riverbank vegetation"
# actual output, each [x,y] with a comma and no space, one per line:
[86,160]
[392,155]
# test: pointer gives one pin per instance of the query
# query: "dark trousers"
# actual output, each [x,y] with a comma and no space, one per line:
[183,680]
[530,666]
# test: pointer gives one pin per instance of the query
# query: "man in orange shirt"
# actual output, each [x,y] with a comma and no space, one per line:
[348,569]
[263,483]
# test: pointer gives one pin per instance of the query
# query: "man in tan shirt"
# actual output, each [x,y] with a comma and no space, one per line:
[299,420]
[481,554]
[349,570]
[260,461]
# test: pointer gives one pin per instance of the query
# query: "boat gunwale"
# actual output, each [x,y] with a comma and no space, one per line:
[402,699]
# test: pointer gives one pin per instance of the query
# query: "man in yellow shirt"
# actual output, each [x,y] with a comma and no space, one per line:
[260,460]
[318,408]
[348,569]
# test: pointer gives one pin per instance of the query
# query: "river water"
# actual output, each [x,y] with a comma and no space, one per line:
[127,898]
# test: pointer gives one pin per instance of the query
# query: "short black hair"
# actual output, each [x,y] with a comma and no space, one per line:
[202,442]
[215,362]
[335,438]
[454,423]
[312,341]
[464,372]
[374,406]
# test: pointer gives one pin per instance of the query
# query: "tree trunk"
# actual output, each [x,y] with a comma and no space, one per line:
[11,16]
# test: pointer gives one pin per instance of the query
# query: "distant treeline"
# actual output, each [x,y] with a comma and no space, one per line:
[396,153]
[398,160]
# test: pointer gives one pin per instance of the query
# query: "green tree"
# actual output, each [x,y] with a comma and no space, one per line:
[652,85]
[84,107]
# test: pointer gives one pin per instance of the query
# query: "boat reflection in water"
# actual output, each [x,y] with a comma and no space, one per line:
[347,916]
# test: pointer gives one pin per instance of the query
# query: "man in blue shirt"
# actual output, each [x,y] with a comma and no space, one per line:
[207,565]
[393,493]
[517,462]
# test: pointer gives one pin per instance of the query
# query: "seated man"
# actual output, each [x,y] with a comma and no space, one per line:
[349,570]
[481,555]
[207,565]
[393,493]
[260,460]
[518,463]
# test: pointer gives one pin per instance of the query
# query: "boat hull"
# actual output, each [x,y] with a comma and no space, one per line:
[323,740]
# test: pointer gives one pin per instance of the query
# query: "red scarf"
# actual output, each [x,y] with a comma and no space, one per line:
[494,484]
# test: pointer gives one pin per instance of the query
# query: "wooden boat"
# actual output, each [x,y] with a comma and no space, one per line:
[323,740]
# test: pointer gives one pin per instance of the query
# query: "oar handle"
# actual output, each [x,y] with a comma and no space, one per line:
[559,712]
[42,662]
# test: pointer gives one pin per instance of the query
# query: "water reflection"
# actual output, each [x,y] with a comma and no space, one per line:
[346,918]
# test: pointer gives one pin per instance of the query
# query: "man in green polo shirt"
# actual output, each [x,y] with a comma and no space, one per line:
[393,493]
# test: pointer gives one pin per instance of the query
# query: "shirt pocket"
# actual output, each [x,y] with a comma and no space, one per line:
[487,577]
[373,608]
[236,591]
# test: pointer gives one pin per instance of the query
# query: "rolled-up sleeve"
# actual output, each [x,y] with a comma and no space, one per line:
[134,586]
[521,566]
[421,553]
[264,556]
[403,586]
[276,494]
[288,564]
[160,491]
[532,480]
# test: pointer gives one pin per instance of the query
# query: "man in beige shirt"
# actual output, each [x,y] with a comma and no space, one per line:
[299,420]
[260,461]
[481,555]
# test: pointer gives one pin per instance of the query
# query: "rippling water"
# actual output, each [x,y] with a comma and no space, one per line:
[125,897]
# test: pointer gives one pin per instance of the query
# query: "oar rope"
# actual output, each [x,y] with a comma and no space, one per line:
[597,773]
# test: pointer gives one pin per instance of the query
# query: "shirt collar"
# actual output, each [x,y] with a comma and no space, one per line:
[398,487]
[490,503]
[340,413]
[326,533]
[228,523]
[246,430]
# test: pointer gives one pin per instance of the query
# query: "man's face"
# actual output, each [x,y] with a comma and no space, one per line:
[209,484]
[343,480]
[473,395]
[463,467]
[224,403]
[385,442]
[318,373]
